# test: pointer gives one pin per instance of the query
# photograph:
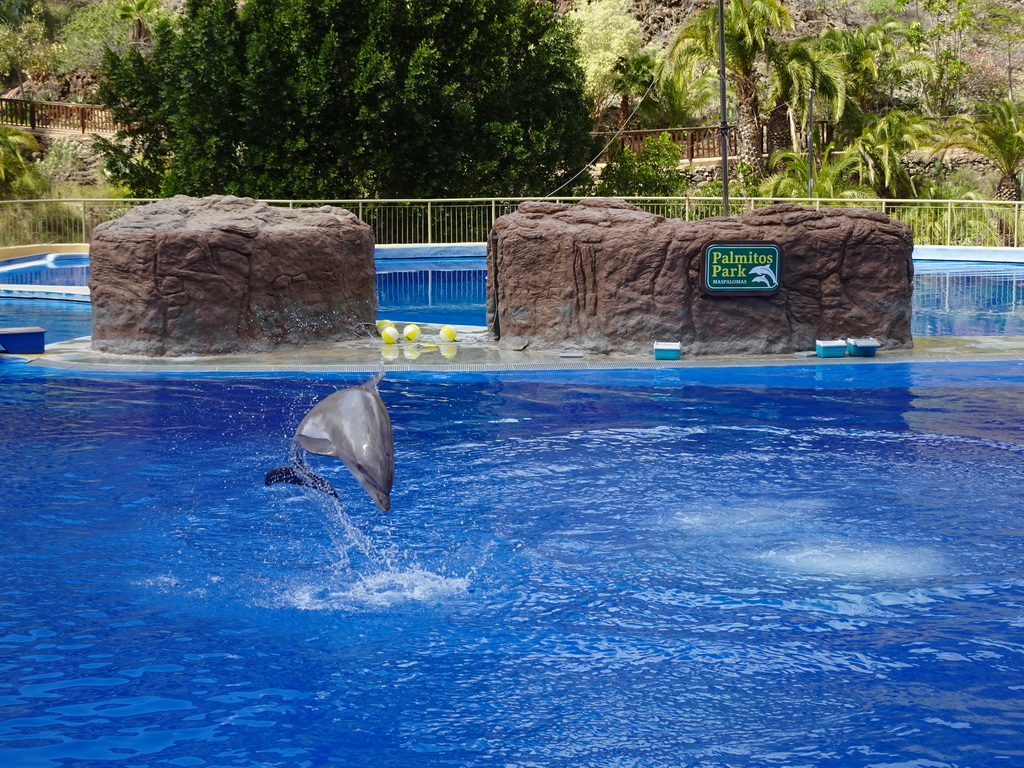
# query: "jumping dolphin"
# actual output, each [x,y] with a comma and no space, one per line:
[352,425]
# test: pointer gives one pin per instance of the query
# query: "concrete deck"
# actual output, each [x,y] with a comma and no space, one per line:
[475,350]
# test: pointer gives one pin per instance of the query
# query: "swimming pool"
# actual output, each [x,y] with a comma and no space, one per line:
[422,284]
[46,269]
[722,567]
[414,283]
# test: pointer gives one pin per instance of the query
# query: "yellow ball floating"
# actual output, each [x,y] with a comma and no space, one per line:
[447,332]
[382,324]
[411,332]
[390,334]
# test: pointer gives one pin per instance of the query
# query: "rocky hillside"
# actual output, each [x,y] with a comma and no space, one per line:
[660,17]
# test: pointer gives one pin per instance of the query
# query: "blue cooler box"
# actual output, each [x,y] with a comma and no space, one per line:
[666,350]
[830,348]
[862,347]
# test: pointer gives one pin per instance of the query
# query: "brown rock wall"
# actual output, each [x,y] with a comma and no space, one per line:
[608,277]
[221,275]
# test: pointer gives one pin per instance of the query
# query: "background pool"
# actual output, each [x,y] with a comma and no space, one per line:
[413,284]
[950,298]
[968,299]
[62,320]
[815,566]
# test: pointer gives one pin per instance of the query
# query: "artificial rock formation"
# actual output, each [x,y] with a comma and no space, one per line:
[221,275]
[605,276]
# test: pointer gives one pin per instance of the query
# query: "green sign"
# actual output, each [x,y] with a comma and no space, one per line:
[742,268]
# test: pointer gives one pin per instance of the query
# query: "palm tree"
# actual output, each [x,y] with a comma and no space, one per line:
[881,147]
[634,77]
[878,63]
[664,101]
[751,27]
[796,68]
[15,170]
[134,12]
[998,135]
[834,178]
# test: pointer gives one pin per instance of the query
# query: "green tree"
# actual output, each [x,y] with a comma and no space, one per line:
[134,89]
[882,146]
[25,51]
[635,78]
[608,36]
[834,177]
[798,67]
[15,170]
[205,80]
[1003,26]
[653,170]
[654,99]
[880,64]
[89,31]
[884,9]
[13,11]
[297,98]
[947,30]
[752,29]
[999,136]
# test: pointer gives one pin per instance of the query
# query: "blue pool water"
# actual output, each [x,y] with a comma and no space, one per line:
[968,299]
[452,290]
[414,283]
[63,320]
[725,568]
[46,269]
[417,283]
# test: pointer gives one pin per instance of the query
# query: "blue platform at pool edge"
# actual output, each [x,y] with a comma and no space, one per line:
[30,340]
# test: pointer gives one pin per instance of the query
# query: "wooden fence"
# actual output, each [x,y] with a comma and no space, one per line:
[56,116]
[703,142]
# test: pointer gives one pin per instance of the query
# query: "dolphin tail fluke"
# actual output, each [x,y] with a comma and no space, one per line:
[370,385]
[302,476]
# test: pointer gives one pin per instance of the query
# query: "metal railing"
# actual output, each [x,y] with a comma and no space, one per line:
[932,222]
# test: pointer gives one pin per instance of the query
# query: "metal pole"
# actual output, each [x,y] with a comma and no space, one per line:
[1016,225]
[810,143]
[724,120]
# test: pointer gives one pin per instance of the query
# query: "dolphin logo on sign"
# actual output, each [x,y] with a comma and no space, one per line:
[764,275]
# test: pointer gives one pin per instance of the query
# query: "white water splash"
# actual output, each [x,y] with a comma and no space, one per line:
[375,590]
[803,536]
[862,559]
